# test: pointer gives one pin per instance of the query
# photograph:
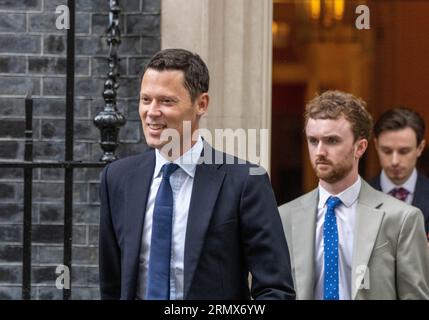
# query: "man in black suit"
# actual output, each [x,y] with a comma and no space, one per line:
[182,220]
[399,141]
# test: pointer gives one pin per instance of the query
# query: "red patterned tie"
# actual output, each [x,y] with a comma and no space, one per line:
[399,193]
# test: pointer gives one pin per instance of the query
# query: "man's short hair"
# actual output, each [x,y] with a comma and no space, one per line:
[400,118]
[333,104]
[196,73]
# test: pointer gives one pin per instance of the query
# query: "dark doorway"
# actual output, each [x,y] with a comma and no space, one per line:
[288,101]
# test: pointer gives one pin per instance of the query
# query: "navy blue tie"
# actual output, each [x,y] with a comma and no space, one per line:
[330,251]
[158,282]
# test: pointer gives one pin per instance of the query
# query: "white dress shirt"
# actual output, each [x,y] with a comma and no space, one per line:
[345,213]
[182,181]
[409,185]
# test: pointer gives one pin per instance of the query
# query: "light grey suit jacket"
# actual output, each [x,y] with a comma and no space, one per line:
[390,254]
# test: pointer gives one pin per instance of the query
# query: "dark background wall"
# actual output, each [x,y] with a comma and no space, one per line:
[32,58]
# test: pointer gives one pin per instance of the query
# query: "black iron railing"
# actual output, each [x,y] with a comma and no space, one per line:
[108,121]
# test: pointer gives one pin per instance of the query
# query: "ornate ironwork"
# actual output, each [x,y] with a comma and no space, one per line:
[110,119]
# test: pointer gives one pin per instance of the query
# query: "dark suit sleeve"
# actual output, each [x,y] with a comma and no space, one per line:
[109,252]
[265,246]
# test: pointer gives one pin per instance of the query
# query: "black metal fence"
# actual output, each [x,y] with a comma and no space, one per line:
[108,121]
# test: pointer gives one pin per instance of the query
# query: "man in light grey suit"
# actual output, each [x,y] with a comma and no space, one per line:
[347,240]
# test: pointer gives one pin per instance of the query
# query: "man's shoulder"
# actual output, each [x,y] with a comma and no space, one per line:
[375,182]
[231,164]
[127,164]
[421,200]
[423,181]
[305,199]
[392,207]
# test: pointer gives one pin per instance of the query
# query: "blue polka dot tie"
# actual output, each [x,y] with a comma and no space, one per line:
[330,251]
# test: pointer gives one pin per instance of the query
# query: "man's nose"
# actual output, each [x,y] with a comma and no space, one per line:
[153,109]
[320,149]
[395,159]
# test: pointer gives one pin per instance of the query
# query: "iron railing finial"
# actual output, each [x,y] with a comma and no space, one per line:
[109,120]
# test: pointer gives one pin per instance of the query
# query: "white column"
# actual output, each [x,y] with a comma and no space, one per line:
[234,38]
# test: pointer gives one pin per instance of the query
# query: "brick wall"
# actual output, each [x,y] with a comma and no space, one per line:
[32,57]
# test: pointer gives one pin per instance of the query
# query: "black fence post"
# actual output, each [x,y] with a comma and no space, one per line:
[68,174]
[28,182]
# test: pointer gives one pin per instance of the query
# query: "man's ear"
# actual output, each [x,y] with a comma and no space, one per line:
[361,146]
[421,147]
[202,104]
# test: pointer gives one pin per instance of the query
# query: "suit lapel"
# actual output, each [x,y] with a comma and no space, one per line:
[303,239]
[367,225]
[136,195]
[207,183]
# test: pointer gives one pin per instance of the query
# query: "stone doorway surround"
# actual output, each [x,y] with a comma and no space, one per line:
[234,38]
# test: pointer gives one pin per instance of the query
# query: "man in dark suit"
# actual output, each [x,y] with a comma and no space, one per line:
[182,220]
[399,141]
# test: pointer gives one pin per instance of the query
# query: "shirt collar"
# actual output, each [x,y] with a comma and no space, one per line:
[347,197]
[187,162]
[387,185]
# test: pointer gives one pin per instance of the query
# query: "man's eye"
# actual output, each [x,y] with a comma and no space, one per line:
[386,151]
[404,151]
[145,100]
[312,141]
[167,101]
[332,140]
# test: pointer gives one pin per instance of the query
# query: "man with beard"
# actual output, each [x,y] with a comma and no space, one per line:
[346,239]
[399,141]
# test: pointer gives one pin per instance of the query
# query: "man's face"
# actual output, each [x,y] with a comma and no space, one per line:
[165,103]
[398,152]
[333,151]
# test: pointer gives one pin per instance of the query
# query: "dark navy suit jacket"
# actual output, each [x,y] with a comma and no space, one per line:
[233,227]
[421,195]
